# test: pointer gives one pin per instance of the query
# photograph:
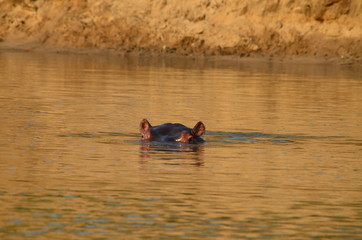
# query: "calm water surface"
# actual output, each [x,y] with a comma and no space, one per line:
[282,157]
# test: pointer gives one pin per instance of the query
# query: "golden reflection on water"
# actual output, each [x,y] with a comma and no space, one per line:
[282,157]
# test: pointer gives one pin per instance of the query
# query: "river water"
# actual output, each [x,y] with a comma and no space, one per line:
[282,157]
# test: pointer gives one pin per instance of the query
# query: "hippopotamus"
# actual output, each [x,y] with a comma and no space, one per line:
[172,132]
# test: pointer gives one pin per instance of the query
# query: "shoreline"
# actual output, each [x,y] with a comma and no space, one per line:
[299,31]
[306,60]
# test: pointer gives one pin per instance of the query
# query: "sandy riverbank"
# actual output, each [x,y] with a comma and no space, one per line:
[328,30]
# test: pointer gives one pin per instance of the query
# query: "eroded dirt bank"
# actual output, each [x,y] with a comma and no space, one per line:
[327,29]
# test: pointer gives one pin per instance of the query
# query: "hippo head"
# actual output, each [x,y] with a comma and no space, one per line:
[172,132]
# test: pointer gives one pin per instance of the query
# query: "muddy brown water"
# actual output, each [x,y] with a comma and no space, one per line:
[282,157]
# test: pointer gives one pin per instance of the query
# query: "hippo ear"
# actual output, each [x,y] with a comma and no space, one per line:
[199,129]
[144,125]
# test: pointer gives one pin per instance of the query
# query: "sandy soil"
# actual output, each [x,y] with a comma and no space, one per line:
[330,30]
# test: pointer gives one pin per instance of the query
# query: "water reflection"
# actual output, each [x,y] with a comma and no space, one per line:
[171,153]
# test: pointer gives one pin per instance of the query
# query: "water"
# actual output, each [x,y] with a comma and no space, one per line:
[282,157]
